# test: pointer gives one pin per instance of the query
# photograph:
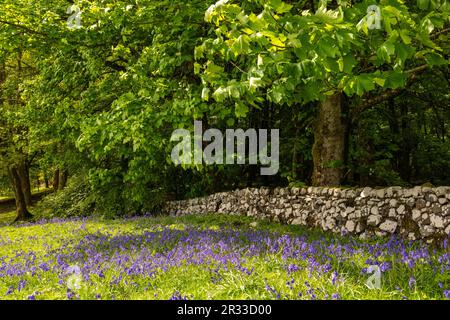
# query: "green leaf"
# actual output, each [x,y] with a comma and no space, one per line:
[276,41]
[341,64]
[379,81]
[435,59]
[233,91]
[364,82]
[403,52]
[254,82]
[362,25]
[240,109]
[327,47]
[277,93]
[395,80]
[423,4]
[205,93]
[220,94]
[241,45]
[427,25]
[385,51]
[349,63]
[197,68]
[198,52]
[331,65]
[230,122]
[280,6]
[404,35]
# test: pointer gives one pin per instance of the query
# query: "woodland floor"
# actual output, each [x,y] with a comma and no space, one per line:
[209,257]
[7,204]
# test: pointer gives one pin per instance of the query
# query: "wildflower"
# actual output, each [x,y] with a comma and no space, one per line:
[33,296]
[70,294]
[385,266]
[272,290]
[10,290]
[44,267]
[334,277]
[21,285]
[177,296]
[412,282]
[292,268]
[335,296]
[290,283]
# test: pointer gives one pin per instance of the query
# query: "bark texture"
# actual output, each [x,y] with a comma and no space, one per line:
[56,180]
[21,206]
[329,143]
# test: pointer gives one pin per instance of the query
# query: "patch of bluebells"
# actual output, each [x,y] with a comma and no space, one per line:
[273,291]
[71,295]
[178,296]
[290,283]
[157,249]
[292,268]
[447,294]
[33,296]
[335,296]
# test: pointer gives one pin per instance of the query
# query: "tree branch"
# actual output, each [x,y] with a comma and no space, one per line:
[434,35]
[22,27]
[389,94]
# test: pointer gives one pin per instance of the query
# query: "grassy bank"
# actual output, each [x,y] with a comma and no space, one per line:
[208,257]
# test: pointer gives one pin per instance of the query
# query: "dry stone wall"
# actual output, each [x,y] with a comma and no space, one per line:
[414,213]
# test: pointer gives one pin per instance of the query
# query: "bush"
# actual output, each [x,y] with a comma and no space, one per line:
[76,200]
[81,198]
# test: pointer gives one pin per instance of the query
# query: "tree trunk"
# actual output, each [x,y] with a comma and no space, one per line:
[56,180]
[406,145]
[46,181]
[348,124]
[63,179]
[21,206]
[24,176]
[329,143]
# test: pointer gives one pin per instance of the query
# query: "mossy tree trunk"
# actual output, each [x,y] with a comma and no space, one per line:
[56,180]
[47,185]
[63,179]
[21,205]
[24,175]
[329,142]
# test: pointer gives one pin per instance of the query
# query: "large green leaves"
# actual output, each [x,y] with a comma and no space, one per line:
[330,49]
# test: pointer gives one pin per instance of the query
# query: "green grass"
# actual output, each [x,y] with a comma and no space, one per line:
[75,241]
[10,196]
[7,217]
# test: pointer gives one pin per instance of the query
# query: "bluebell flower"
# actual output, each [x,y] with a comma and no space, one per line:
[335,296]
[412,282]
[334,277]
[21,285]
